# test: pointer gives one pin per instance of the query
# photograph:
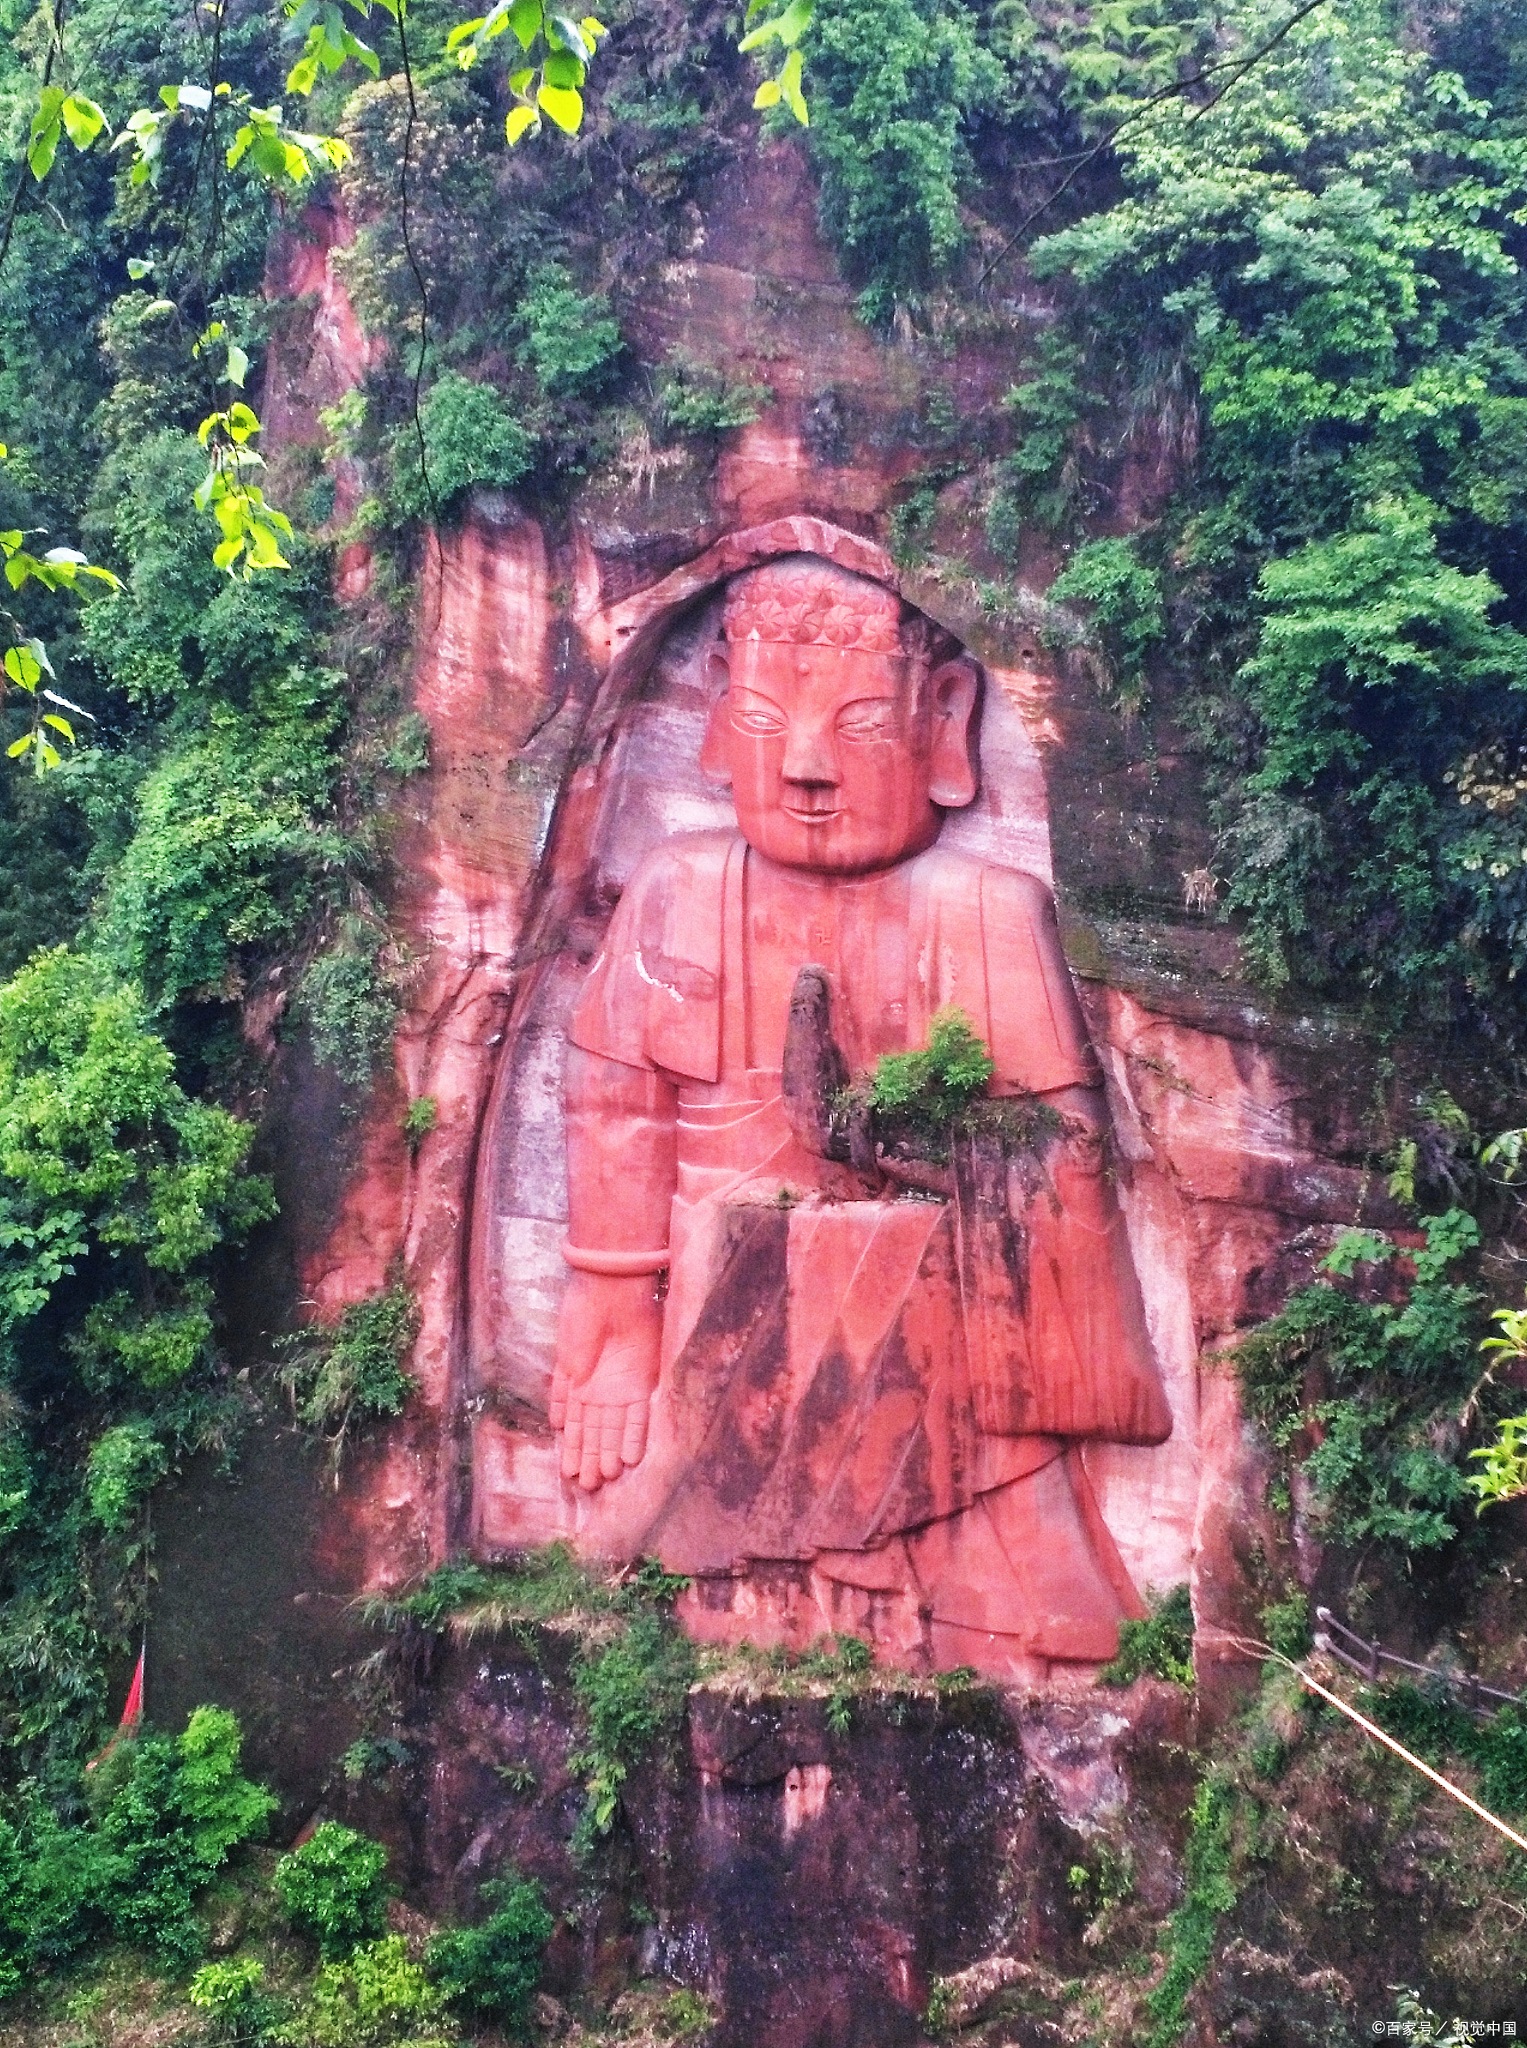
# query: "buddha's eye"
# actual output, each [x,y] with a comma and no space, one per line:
[756,715]
[870,718]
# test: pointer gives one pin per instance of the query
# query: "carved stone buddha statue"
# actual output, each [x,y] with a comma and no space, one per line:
[784,1348]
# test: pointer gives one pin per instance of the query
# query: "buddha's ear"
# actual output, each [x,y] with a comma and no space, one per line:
[954,688]
[713,752]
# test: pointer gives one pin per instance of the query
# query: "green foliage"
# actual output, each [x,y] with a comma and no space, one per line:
[1503,1474]
[228,1993]
[631,1690]
[895,84]
[1099,62]
[419,1120]
[786,29]
[168,1816]
[375,1997]
[632,1666]
[558,47]
[695,399]
[1209,1894]
[338,1378]
[935,1085]
[1286,1628]
[220,1805]
[229,847]
[372,1756]
[471,437]
[163,1818]
[1427,1718]
[100,1148]
[494,1967]
[571,341]
[1364,1393]
[334,1889]
[350,1003]
[1162,1644]
[126,1462]
[1503,1461]
[943,2003]
[1043,472]
[1125,597]
[50,1885]
[1310,284]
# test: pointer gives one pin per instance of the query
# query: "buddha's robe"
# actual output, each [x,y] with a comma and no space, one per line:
[891,1389]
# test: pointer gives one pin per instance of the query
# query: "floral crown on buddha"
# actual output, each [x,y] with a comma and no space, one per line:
[803,601]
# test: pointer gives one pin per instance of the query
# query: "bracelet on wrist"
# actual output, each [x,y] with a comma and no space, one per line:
[614,1265]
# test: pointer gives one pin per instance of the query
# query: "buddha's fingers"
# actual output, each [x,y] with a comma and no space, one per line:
[572,1439]
[590,1478]
[611,1430]
[633,1443]
[557,1414]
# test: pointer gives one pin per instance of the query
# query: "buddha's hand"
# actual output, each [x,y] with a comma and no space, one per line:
[608,1343]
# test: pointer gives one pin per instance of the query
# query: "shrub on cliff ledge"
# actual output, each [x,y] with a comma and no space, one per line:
[353,1372]
[1161,1644]
[494,1968]
[333,1887]
[471,437]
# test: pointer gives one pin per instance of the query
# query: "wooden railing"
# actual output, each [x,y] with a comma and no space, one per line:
[1369,1658]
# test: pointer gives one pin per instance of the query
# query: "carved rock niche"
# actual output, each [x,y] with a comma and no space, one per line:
[949,1405]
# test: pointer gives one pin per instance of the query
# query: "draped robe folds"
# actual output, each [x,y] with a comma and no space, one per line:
[889,1390]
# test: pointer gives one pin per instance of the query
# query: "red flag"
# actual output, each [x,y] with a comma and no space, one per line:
[132,1713]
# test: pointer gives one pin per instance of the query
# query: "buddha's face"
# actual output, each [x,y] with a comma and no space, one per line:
[840,760]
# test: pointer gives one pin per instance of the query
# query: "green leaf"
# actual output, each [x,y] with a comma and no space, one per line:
[18,747]
[59,725]
[563,72]
[238,364]
[517,120]
[22,667]
[794,22]
[42,149]
[790,86]
[525,18]
[139,267]
[767,94]
[561,28]
[83,120]
[561,106]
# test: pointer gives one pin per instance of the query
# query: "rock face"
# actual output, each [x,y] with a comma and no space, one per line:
[814,1883]
[560,672]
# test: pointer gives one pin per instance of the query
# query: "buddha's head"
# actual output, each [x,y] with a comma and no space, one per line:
[842,719]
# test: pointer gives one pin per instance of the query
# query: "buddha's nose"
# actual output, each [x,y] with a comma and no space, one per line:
[809,755]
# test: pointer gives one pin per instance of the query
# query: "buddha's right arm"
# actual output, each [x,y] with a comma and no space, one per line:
[621,1167]
[622,1156]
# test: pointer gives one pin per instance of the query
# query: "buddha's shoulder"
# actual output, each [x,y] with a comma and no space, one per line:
[997,890]
[686,861]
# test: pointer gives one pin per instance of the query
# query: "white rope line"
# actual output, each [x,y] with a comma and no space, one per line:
[1369,1728]
[1262,1650]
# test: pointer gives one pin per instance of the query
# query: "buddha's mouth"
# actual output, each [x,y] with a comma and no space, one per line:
[810,817]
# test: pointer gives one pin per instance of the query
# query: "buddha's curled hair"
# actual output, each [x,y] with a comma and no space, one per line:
[804,601]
